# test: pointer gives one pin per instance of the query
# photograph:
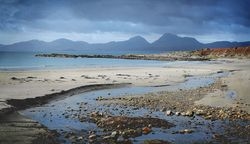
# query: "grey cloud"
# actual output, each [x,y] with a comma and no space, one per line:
[127,16]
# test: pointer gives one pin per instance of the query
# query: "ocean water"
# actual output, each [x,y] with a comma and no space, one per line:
[27,61]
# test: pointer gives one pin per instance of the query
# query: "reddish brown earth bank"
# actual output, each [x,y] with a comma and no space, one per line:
[225,52]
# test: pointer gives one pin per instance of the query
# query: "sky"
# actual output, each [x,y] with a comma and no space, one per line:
[100,21]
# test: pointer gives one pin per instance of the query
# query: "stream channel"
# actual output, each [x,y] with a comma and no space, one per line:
[61,115]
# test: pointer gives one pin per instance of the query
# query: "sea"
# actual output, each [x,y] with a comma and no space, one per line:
[28,61]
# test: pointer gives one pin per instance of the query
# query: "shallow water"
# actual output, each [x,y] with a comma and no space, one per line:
[62,115]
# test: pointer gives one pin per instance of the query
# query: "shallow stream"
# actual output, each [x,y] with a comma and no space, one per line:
[63,115]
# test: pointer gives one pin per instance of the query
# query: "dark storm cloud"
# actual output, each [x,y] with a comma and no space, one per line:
[138,16]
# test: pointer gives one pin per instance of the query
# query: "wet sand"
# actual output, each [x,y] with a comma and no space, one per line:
[16,129]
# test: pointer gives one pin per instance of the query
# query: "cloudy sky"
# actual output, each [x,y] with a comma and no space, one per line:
[98,21]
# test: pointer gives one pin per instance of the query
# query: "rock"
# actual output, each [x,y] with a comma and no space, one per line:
[14,78]
[106,137]
[200,112]
[80,138]
[186,131]
[169,112]
[150,125]
[92,136]
[183,114]
[177,113]
[131,133]
[114,134]
[189,113]
[120,139]
[94,114]
[163,109]
[146,130]
[220,71]
[155,141]
[208,117]
[100,98]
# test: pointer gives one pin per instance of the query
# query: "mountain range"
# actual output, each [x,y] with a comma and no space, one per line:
[167,42]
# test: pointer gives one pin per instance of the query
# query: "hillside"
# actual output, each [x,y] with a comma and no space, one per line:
[224,52]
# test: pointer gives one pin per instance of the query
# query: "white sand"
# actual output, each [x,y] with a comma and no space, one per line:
[45,81]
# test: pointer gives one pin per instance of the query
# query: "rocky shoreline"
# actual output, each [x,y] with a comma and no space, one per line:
[181,56]
[182,103]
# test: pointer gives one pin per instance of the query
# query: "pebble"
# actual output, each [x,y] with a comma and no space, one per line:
[114,134]
[80,138]
[169,112]
[93,136]
[199,112]
[120,139]
[189,113]
[146,130]
[186,131]
[177,113]
[163,110]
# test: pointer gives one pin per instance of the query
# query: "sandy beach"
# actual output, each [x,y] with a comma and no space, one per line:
[29,84]
[37,83]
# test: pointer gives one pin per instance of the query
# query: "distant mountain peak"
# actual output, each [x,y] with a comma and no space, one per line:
[138,39]
[169,35]
[62,40]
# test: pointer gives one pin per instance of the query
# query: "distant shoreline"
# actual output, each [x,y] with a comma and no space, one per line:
[198,55]
[129,56]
